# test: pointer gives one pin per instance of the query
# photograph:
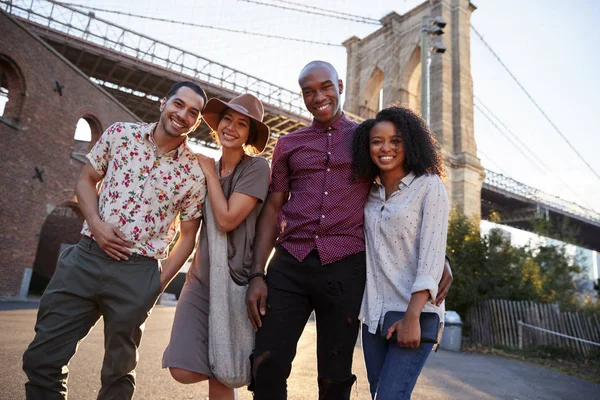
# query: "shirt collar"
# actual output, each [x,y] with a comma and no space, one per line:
[339,124]
[406,181]
[148,130]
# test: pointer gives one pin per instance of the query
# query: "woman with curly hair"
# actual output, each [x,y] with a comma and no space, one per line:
[406,222]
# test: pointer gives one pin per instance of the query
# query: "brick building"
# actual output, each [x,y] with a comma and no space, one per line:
[41,160]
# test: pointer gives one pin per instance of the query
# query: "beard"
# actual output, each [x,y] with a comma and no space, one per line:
[171,130]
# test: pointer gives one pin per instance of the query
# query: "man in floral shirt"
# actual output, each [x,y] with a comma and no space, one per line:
[152,185]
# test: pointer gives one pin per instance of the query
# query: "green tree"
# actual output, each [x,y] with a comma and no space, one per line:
[490,267]
[467,252]
[557,273]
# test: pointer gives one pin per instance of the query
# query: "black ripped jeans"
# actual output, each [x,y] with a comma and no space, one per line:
[334,291]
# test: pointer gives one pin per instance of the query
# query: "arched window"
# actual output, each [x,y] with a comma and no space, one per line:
[83,131]
[3,92]
[12,92]
[87,132]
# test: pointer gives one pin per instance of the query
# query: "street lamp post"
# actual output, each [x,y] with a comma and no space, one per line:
[432,26]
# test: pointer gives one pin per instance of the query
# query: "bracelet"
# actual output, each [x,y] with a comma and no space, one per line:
[256,275]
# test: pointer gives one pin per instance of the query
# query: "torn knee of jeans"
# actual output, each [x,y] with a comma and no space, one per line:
[258,360]
[325,383]
[255,362]
[330,386]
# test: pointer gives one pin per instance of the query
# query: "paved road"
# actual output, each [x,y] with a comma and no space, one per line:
[447,375]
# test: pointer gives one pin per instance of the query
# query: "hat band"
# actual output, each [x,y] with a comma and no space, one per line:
[244,109]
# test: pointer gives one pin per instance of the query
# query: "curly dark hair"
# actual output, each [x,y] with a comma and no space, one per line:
[421,149]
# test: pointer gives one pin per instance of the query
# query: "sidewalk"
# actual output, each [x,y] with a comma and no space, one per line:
[11,304]
[447,375]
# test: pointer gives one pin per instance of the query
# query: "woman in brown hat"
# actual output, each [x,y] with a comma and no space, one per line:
[237,187]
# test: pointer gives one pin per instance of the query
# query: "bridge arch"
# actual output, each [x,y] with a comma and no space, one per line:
[372,94]
[410,82]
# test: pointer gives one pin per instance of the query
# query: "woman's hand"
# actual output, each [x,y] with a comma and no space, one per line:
[207,164]
[408,332]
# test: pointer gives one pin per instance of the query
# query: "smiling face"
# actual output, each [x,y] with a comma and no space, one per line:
[233,129]
[321,90]
[386,147]
[180,113]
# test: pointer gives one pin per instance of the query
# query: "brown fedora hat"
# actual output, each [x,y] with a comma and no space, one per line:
[245,104]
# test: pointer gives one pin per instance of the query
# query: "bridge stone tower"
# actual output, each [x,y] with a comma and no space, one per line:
[386,65]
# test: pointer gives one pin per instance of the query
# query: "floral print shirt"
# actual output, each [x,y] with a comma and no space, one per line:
[145,193]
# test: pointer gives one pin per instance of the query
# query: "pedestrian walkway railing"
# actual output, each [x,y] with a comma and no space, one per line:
[506,185]
[89,28]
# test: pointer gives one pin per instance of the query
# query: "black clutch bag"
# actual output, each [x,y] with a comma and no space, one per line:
[430,324]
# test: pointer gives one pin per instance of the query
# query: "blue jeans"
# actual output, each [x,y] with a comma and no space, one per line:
[392,370]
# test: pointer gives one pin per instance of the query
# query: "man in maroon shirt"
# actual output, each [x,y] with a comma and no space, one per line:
[314,213]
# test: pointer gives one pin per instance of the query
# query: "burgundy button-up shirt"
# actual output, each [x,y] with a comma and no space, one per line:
[325,209]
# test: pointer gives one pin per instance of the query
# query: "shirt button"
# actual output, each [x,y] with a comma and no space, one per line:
[329,134]
[329,153]
[326,193]
[328,170]
[322,216]
[316,236]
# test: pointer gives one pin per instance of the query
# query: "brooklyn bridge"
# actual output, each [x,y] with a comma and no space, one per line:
[135,71]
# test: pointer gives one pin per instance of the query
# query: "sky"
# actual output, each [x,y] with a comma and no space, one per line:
[549,46]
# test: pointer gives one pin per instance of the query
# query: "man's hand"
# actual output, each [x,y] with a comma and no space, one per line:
[445,283]
[408,332]
[108,236]
[256,298]
[110,239]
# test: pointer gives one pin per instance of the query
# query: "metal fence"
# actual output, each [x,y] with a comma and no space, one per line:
[501,322]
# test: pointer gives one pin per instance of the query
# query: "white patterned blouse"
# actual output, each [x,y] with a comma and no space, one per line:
[406,245]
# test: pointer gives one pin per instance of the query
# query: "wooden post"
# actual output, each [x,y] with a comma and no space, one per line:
[520,334]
